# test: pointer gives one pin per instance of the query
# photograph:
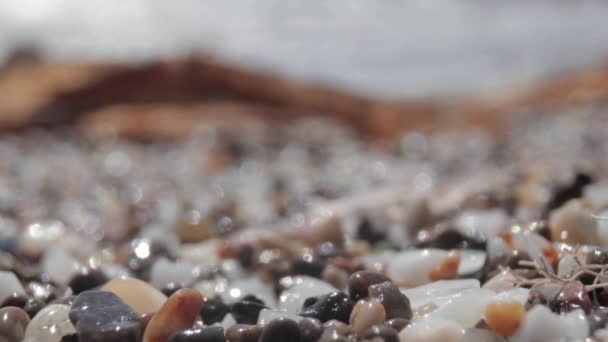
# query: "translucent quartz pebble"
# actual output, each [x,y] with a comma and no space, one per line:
[50,324]
[432,330]
[59,265]
[164,272]
[439,292]
[139,295]
[411,268]
[541,324]
[481,222]
[9,285]
[568,266]
[501,281]
[303,287]
[267,315]
[38,236]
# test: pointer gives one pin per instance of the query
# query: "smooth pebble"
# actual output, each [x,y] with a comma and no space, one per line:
[50,324]
[13,322]
[178,313]
[138,294]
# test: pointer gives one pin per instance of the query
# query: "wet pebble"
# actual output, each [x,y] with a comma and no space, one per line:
[397,323]
[281,330]
[268,315]
[243,333]
[359,283]
[213,333]
[310,329]
[366,313]
[332,306]
[396,304]
[136,293]
[247,311]
[13,322]
[87,279]
[50,324]
[301,288]
[214,310]
[387,334]
[178,313]
[571,297]
[102,316]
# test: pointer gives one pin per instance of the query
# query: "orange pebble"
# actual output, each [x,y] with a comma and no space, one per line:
[505,317]
[448,269]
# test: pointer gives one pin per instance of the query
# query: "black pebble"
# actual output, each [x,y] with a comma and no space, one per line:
[281,330]
[310,266]
[253,298]
[598,256]
[207,334]
[246,311]
[334,305]
[171,288]
[368,231]
[388,334]
[310,329]
[214,310]
[396,304]
[87,279]
[359,283]
[565,193]
[102,316]
[243,333]
[70,338]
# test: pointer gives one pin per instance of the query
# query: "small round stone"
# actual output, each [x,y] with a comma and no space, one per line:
[396,304]
[281,330]
[13,322]
[310,329]
[50,324]
[171,288]
[214,310]
[87,279]
[335,331]
[334,305]
[15,299]
[308,265]
[243,333]
[397,323]
[246,311]
[387,334]
[365,314]
[206,334]
[138,294]
[359,283]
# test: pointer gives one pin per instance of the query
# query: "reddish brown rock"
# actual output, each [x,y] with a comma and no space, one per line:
[178,313]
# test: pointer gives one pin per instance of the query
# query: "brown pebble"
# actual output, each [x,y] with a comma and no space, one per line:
[397,323]
[359,283]
[13,322]
[366,313]
[335,276]
[243,333]
[505,317]
[384,333]
[178,313]
[145,320]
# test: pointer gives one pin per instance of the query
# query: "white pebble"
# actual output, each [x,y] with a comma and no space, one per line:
[467,309]
[432,330]
[439,292]
[471,261]
[484,222]
[568,266]
[304,287]
[9,284]
[572,223]
[411,268]
[267,315]
[541,325]
[50,324]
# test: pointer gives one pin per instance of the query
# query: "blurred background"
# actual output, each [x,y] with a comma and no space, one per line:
[394,49]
